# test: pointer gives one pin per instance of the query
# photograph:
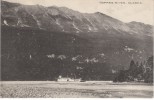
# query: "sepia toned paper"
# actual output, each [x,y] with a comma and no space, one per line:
[77,48]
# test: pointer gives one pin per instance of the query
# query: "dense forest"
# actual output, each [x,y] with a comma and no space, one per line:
[137,72]
[40,55]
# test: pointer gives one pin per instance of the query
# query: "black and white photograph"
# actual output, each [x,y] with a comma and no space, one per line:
[76,49]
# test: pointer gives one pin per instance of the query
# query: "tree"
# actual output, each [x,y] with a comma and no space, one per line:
[133,69]
[140,72]
[148,76]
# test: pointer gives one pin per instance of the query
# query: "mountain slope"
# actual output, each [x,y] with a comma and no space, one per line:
[44,42]
[64,19]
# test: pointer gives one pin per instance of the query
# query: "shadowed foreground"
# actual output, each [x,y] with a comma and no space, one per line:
[91,89]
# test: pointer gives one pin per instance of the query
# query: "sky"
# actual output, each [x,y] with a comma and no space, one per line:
[142,12]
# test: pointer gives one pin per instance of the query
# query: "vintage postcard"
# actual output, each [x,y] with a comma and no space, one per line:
[77,48]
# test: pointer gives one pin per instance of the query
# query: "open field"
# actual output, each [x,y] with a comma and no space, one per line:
[90,89]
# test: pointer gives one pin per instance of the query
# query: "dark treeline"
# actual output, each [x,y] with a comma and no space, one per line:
[137,72]
[31,54]
[43,68]
[38,55]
